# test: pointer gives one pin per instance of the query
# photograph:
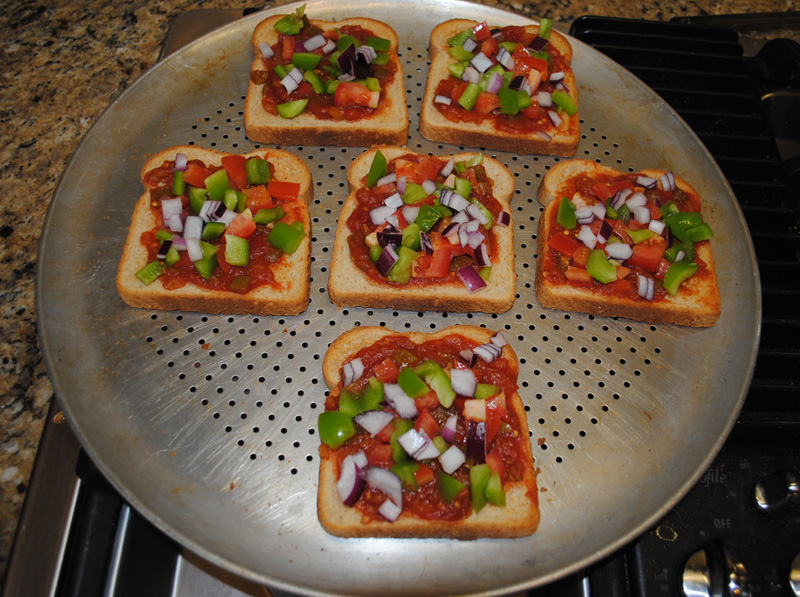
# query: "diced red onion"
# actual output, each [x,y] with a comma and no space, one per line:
[499,340]
[453,200]
[427,452]
[346,77]
[505,58]
[469,357]
[164,249]
[390,236]
[641,214]
[545,99]
[387,482]
[646,181]
[391,177]
[368,52]
[477,214]
[300,46]
[448,168]
[386,260]
[620,197]
[352,371]
[452,459]
[538,44]
[534,80]
[636,200]
[544,136]
[470,44]
[314,42]
[412,441]
[266,50]
[390,511]
[442,99]
[394,220]
[351,481]
[520,83]
[605,232]
[451,229]
[449,429]
[425,241]
[292,80]
[471,278]
[587,237]
[680,256]
[194,249]
[471,75]
[584,214]
[208,213]
[646,287]
[464,382]
[346,58]
[227,217]
[554,118]
[373,421]
[179,243]
[429,186]
[395,201]
[599,210]
[504,219]
[488,352]
[171,207]
[401,185]
[497,32]
[329,47]
[410,212]
[494,83]
[461,217]
[657,226]
[482,256]
[175,223]
[476,441]
[193,227]
[668,181]
[619,251]
[557,76]
[401,402]
[379,214]
[181,162]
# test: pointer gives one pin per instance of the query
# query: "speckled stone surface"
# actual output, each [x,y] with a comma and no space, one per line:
[64,63]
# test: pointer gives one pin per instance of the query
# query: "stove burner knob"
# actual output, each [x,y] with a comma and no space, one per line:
[776,493]
[713,572]
[794,576]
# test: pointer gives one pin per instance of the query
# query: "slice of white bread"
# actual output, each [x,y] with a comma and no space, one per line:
[519,517]
[697,303]
[349,286]
[436,127]
[289,295]
[389,124]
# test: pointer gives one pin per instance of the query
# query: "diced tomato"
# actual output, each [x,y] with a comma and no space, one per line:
[421,265]
[385,434]
[195,176]
[621,232]
[532,111]
[523,62]
[662,268]
[636,225]
[655,211]
[622,272]
[242,226]
[390,188]
[428,168]
[429,401]
[350,94]
[426,421]
[285,191]
[458,403]
[288,48]
[496,410]
[595,226]
[482,31]
[380,455]
[495,461]
[581,257]
[223,264]
[647,256]
[579,275]
[486,102]
[235,167]
[402,224]
[602,191]
[458,91]
[258,198]
[564,244]
[386,371]
[489,46]
[423,475]
[619,185]
[440,264]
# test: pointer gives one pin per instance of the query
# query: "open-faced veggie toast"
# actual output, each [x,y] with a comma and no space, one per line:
[510,88]
[625,245]
[425,435]
[325,83]
[220,233]
[421,232]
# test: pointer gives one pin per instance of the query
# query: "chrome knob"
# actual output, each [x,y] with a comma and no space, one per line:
[794,576]
[776,493]
[713,572]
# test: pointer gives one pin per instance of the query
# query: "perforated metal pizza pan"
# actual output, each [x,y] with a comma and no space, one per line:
[206,424]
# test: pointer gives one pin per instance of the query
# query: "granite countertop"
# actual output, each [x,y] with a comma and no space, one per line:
[65,63]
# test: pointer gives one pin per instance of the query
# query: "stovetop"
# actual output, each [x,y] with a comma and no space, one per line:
[739,524]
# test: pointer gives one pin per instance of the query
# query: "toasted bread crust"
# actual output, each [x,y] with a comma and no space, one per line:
[348,286]
[289,297]
[388,125]
[436,127]
[697,304]
[519,517]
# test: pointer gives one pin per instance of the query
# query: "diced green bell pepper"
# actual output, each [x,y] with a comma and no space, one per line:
[212,231]
[282,70]
[381,44]
[469,96]
[463,187]
[257,171]
[315,82]
[509,103]
[457,68]
[523,99]
[600,268]
[240,283]
[699,233]
[639,236]
[461,167]
[486,390]
[178,184]
[373,84]
[669,208]
[291,24]
[372,394]
[440,444]
[437,379]
[349,404]
[494,491]
[335,428]
[476,160]
[381,59]
[216,184]
[460,54]
[375,253]
[449,486]
[231,199]
[411,383]
[292,109]
[208,263]
[611,213]
[414,193]
[377,169]
[485,272]
[237,250]
[405,470]
[411,238]
[430,214]
[479,476]
[564,100]
[172,257]
[305,60]
[401,270]
[285,237]
[672,253]
[401,426]
[545,27]
[677,274]
[510,46]
[566,217]
[197,197]
[345,41]
[460,38]
[624,213]
[150,272]
[163,235]
[268,215]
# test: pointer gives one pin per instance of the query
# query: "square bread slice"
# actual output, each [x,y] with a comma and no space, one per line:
[286,291]
[507,451]
[352,285]
[542,128]
[388,123]
[563,280]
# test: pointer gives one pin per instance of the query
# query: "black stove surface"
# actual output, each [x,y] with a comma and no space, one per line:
[741,522]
